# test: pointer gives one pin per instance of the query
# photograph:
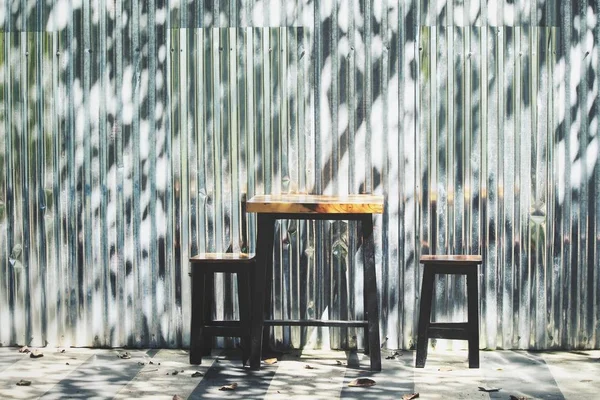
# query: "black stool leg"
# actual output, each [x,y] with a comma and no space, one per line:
[370,294]
[473,318]
[424,316]
[243,280]
[197,334]
[209,299]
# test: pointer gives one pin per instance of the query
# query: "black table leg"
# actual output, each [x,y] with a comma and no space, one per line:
[370,292]
[424,316]
[197,334]
[264,261]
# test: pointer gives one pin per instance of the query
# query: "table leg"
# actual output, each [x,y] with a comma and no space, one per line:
[264,261]
[370,292]
[197,328]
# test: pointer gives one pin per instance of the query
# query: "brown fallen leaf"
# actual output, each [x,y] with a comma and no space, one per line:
[488,389]
[231,386]
[338,362]
[410,396]
[23,382]
[36,354]
[125,356]
[63,350]
[308,367]
[141,363]
[196,374]
[174,372]
[270,361]
[393,356]
[361,382]
[518,398]
[24,349]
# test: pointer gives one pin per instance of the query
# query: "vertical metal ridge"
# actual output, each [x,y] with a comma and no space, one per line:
[138,334]
[5,188]
[450,226]
[153,259]
[582,305]
[368,96]
[594,226]
[172,173]
[87,274]
[565,332]
[119,256]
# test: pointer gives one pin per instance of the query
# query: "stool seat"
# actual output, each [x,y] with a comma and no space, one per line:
[449,265]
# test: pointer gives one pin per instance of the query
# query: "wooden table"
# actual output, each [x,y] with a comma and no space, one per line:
[270,208]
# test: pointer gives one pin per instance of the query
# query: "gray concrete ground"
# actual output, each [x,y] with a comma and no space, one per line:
[163,374]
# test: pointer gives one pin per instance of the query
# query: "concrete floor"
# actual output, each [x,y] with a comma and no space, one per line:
[163,374]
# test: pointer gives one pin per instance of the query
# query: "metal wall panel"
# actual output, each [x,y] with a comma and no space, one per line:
[130,130]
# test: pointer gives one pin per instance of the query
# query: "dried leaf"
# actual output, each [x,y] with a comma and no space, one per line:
[309,367]
[393,356]
[445,369]
[410,396]
[24,349]
[231,386]
[270,361]
[361,382]
[196,374]
[63,350]
[141,363]
[488,389]
[174,372]
[125,356]
[338,362]
[518,398]
[23,382]
[36,354]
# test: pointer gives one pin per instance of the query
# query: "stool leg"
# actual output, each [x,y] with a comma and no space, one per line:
[424,316]
[370,293]
[209,299]
[243,280]
[473,318]
[197,325]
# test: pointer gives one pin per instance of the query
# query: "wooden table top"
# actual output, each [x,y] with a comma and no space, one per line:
[450,259]
[316,204]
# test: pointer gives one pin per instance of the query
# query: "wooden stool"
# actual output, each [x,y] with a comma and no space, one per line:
[204,328]
[449,265]
[203,269]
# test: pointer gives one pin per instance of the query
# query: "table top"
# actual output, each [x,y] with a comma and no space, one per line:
[316,204]
[450,259]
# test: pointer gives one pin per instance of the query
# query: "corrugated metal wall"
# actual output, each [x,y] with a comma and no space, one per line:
[129,130]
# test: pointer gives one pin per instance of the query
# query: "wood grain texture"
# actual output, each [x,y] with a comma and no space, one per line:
[450,259]
[225,257]
[316,204]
